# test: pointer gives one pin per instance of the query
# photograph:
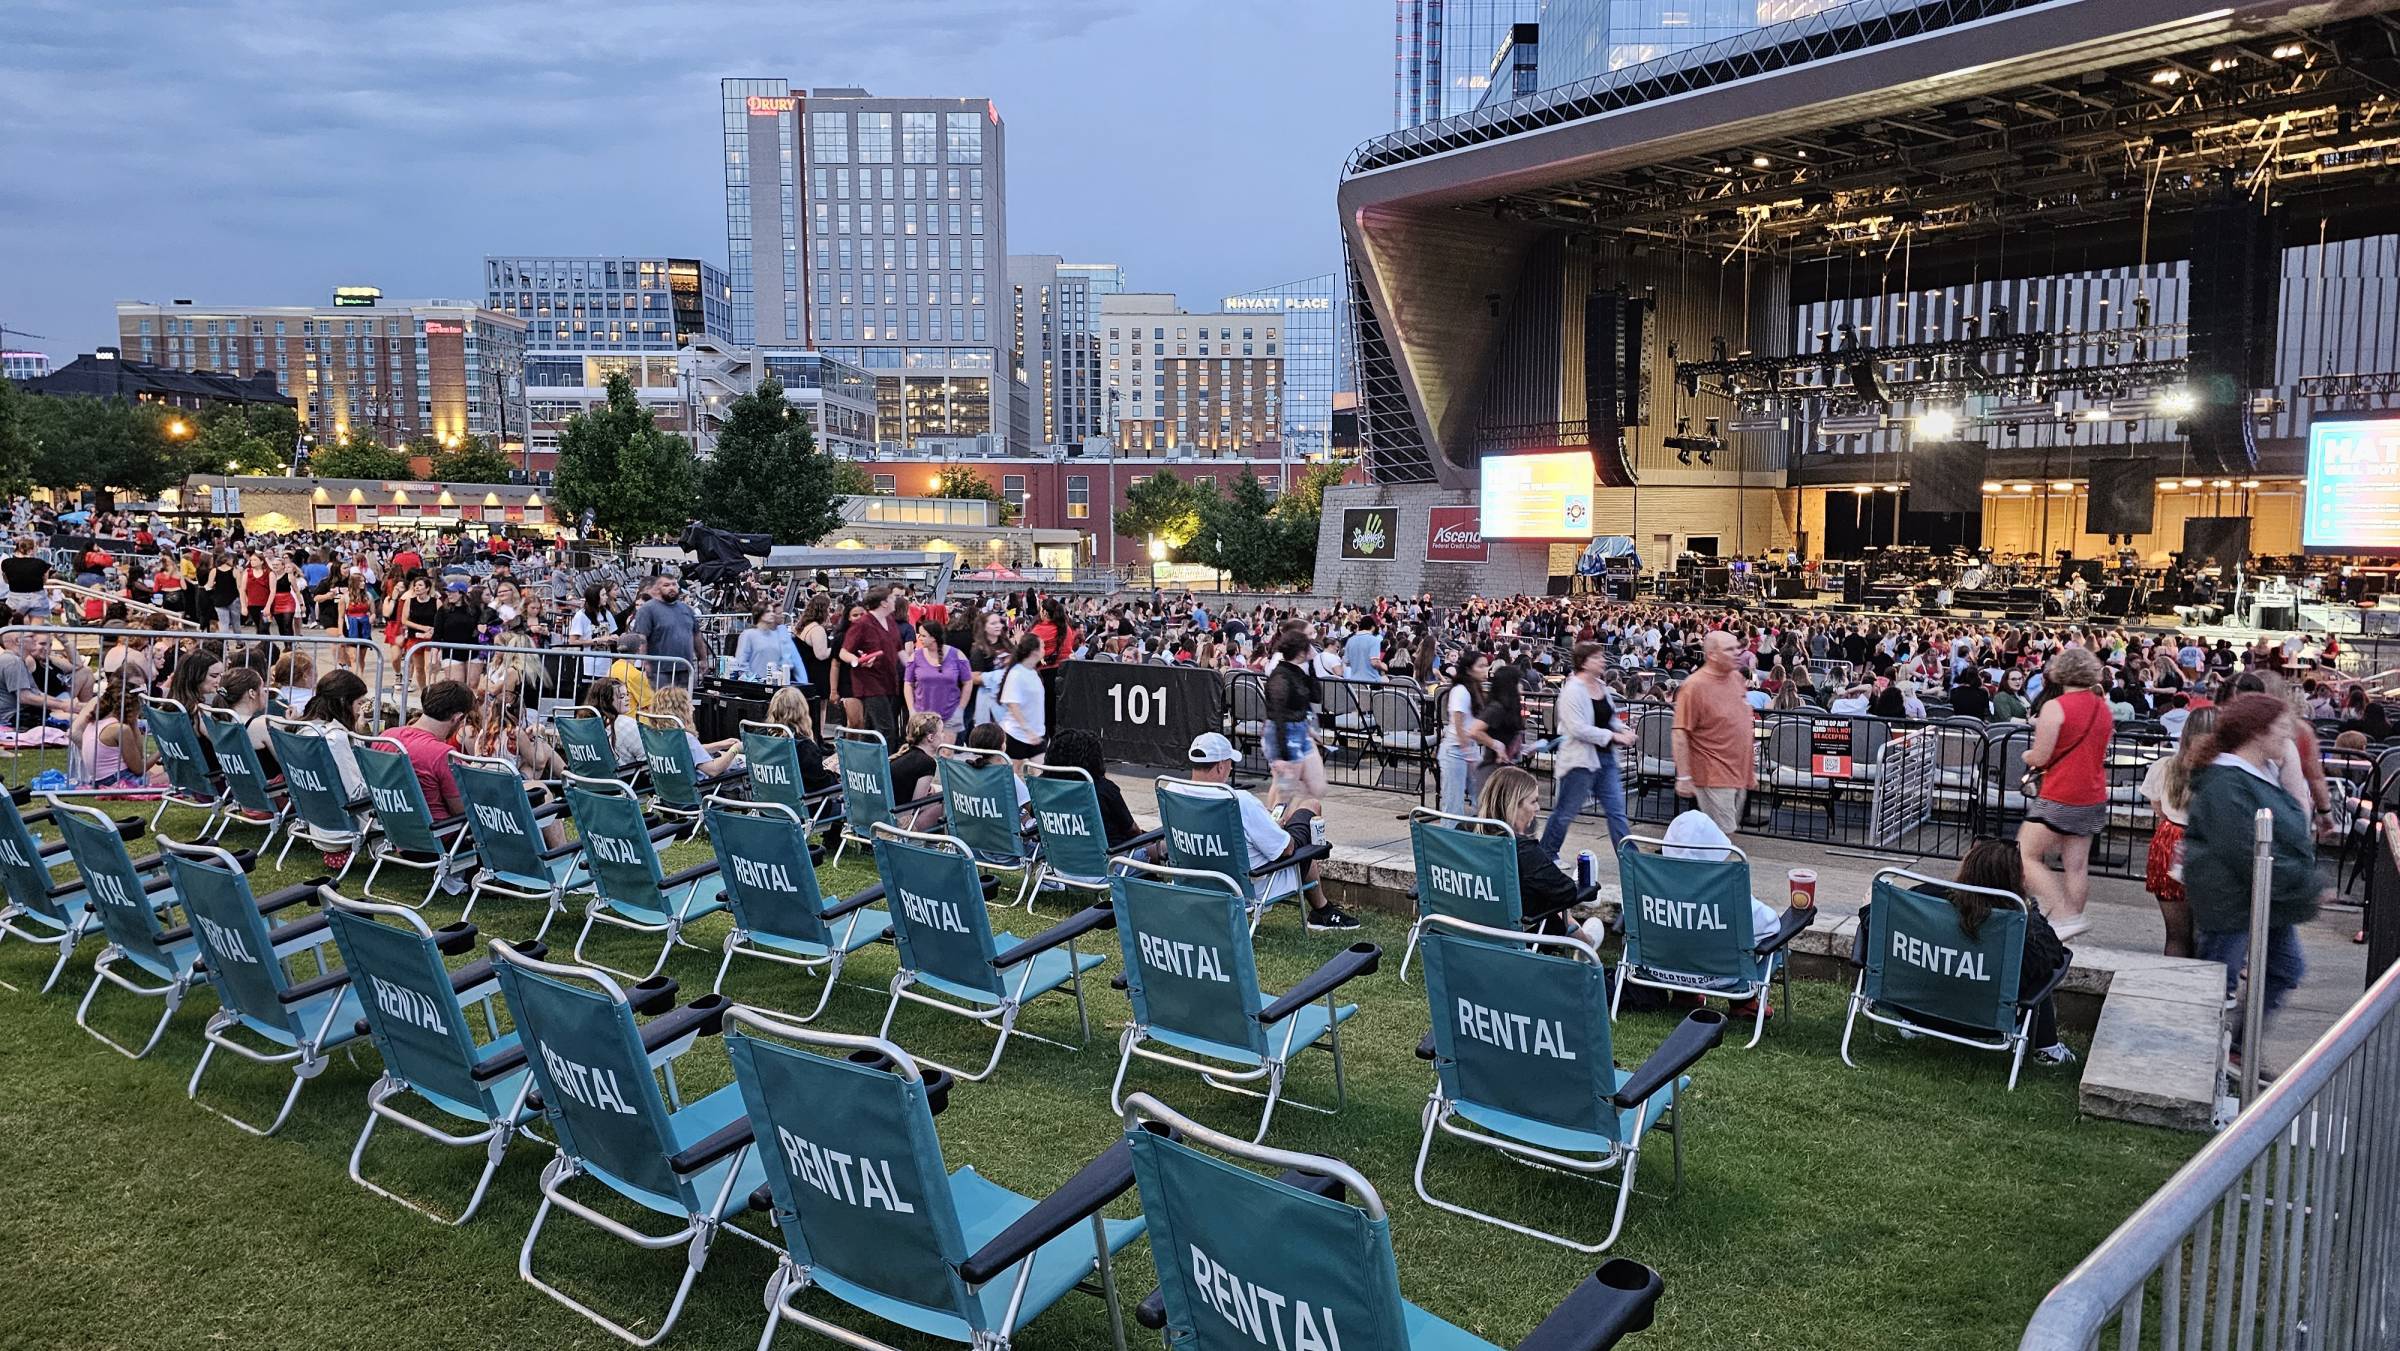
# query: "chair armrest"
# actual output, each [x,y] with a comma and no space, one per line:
[494,1067]
[128,827]
[544,810]
[704,1017]
[1426,1050]
[1073,926]
[478,971]
[1096,1184]
[1358,959]
[737,774]
[1698,1034]
[1585,895]
[1787,927]
[856,900]
[1294,859]
[691,874]
[310,989]
[926,801]
[292,895]
[938,1081]
[1141,841]
[561,851]
[663,831]
[1611,1303]
[452,939]
[711,1147]
[444,824]
[2050,986]
[299,928]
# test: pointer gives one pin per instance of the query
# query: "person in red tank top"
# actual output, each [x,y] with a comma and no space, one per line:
[2070,748]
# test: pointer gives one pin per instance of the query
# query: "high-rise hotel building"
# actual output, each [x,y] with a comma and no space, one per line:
[1206,385]
[875,230]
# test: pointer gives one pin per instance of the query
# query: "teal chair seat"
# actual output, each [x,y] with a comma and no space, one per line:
[502,1088]
[872,926]
[1038,977]
[1303,1027]
[985,1208]
[308,1012]
[1544,1135]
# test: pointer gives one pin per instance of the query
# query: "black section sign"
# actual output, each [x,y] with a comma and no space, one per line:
[1370,532]
[1144,714]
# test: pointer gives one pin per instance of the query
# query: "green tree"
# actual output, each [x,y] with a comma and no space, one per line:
[472,460]
[244,439]
[851,480]
[1161,505]
[1306,496]
[358,458]
[16,439]
[965,481]
[766,474]
[1242,535]
[105,444]
[613,460]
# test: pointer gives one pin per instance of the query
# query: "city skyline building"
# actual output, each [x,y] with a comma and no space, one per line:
[1442,54]
[876,232]
[1585,39]
[1057,329]
[1316,325]
[390,369]
[610,303]
[1194,385]
[24,365]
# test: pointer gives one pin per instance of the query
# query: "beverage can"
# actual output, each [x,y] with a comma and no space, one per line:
[1587,870]
[1804,888]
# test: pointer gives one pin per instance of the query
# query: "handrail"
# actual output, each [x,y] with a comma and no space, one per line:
[2112,1280]
[109,598]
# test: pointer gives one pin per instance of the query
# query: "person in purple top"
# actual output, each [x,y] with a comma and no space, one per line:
[936,676]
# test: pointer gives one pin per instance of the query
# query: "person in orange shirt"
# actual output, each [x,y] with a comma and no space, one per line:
[1716,761]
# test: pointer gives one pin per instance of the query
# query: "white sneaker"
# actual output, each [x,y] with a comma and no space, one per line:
[2070,928]
[2054,1054]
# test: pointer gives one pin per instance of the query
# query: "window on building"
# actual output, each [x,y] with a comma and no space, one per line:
[829,138]
[874,138]
[1012,491]
[1079,497]
[966,138]
[887,485]
[916,138]
[975,184]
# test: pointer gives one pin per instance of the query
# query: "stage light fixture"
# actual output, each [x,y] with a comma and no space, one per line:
[2220,483]
[2286,51]
[1991,487]
[2177,402]
[2249,483]
[1937,424]
[2020,487]
[1759,422]
[1891,487]
[2062,486]
[2191,483]
[2168,76]
[1863,489]
[2095,415]
[1759,161]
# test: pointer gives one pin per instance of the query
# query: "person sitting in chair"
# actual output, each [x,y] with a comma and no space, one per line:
[1212,758]
[1513,797]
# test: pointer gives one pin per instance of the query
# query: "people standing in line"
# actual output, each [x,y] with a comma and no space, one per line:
[870,653]
[2168,788]
[2236,779]
[2070,805]
[1590,731]
[1716,758]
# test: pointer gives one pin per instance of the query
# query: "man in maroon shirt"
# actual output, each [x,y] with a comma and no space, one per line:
[871,649]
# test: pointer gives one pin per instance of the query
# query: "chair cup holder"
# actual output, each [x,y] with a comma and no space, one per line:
[714,1007]
[131,827]
[652,996]
[452,939]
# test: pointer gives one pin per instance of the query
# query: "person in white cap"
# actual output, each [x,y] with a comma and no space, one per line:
[1212,758]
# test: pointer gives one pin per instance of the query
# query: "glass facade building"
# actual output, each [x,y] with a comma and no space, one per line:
[611,304]
[1442,53]
[1585,39]
[1316,324]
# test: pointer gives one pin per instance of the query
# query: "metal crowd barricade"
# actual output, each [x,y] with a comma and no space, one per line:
[2284,1232]
[85,670]
[556,672]
[131,607]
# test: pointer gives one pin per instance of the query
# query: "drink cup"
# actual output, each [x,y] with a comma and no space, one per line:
[1804,888]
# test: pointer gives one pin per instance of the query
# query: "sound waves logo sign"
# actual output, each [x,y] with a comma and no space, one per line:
[1454,535]
[1367,533]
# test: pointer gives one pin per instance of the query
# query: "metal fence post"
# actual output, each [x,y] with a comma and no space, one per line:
[2254,996]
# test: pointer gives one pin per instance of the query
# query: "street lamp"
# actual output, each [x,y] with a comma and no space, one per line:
[1158,555]
[179,429]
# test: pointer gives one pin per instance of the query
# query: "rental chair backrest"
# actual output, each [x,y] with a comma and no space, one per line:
[763,859]
[1247,1248]
[1520,1024]
[673,776]
[866,766]
[400,809]
[312,775]
[1469,873]
[179,748]
[935,896]
[853,1163]
[1187,939]
[239,957]
[26,878]
[245,773]
[598,1093]
[1919,956]
[1204,829]
[411,1009]
[508,838]
[111,883]
[979,802]
[773,755]
[616,841]
[583,738]
[1066,812]
[1690,916]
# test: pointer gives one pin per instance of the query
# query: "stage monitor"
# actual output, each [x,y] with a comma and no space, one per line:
[2353,504]
[1542,496]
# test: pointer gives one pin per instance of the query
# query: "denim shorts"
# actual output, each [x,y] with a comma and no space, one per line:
[1288,741]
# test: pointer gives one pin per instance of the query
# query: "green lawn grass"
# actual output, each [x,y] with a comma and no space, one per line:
[1908,1203]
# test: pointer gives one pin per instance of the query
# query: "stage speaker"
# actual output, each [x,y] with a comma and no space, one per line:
[2123,498]
[2236,280]
[1946,477]
[2221,540]
[1614,378]
[2114,602]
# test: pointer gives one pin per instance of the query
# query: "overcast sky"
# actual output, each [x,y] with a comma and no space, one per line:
[266,151]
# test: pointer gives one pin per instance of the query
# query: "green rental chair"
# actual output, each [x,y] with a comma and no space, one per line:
[251,795]
[1075,852]
[979,808]
[133,903]
[1203,822]
[585,743]
[1688,928]
[630,889]
[323,812]
[675,783]
[507,831]
[780,914]
[1922,972]
[868,802]
[1467,869]
[407,834]
[189,783]
[42,909]
[773,755]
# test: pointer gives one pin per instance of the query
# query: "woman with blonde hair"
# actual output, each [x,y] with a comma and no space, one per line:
[2068,806]
[1512,797]
[709,758]
[2168,788]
